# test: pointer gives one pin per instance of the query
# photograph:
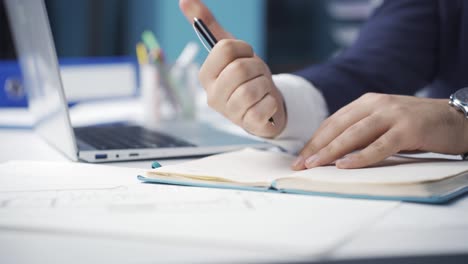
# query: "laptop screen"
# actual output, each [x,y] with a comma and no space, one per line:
[41,76]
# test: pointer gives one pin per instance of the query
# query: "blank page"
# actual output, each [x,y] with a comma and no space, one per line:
[393,170]
[245,166]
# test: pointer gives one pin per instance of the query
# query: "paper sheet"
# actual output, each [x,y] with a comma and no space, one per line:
[289,225]
[106,201]
[37,175]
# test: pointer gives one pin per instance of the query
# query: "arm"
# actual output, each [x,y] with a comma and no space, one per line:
[395,53]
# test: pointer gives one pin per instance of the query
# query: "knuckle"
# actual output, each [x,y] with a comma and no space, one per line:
[325,123]
[407,124]
[249,125]
[309,149]
[212,101]
[368,96]
[270,101]
[255,116]
[396,139]
[331,148]
[248,48]
[396,108]
[228,47]
[259,65]
[231,107]
[377,97]
[203,77]
[384,98]
[274,105]
[264,85]
[241,68]
[248,94]
[380,146]
[357,129]
[232,114]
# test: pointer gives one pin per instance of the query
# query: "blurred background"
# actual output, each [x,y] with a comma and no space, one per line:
[288,35]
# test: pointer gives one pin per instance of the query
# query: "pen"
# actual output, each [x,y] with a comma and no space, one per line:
[209,41]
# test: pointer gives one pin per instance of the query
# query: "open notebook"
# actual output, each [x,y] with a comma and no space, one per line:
[396,178]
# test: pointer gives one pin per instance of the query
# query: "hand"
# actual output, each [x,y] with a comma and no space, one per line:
[238,83]
[382,125]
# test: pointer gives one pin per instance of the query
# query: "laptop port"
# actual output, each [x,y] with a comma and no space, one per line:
[100,156]
[133,155]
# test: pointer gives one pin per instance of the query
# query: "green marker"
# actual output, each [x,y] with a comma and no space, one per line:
[150,40]
[152,44]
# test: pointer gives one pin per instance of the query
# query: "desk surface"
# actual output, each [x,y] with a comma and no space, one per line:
[396,229]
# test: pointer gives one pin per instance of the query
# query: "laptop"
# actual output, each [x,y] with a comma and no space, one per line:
[47,103]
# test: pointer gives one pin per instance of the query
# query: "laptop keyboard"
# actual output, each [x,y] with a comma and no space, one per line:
[126,137]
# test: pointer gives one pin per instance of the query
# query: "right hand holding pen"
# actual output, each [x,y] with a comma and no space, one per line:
[238,84]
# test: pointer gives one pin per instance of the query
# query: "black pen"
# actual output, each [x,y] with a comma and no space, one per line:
[206,37]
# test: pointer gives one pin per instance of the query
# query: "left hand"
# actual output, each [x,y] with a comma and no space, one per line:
[380,125]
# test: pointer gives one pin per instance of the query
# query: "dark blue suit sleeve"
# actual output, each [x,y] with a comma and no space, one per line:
[395,53]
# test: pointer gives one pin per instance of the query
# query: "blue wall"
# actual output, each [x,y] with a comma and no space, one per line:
[112,28]
[107,27]
[243,18]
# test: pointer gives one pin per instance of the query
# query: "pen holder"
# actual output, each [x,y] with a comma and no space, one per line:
[150,94]
[185,82]
[168,92]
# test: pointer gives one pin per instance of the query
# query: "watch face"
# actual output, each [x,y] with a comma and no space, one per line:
[462,95]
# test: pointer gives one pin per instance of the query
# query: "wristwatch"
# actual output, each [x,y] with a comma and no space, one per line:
[459,100]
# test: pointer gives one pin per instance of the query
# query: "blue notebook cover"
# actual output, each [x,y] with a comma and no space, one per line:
[435,199]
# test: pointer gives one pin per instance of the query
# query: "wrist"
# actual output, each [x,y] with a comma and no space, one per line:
[464,136]
[304,107]
[462,126]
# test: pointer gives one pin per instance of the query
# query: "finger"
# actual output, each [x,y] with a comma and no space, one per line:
[245,96]
[327,134]
[358,135]
[236,73]
[385,146]
[257,116]
[196,8]
[361,101]
[224,53]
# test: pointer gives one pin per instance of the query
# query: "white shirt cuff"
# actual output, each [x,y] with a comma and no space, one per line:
[305,107]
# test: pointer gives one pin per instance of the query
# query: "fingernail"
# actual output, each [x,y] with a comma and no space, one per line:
[310,160]
[298,162]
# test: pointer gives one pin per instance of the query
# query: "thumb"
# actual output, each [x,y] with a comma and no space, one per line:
[195,8]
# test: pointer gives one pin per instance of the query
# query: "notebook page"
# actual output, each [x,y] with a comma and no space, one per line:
[394,170]
[245,166]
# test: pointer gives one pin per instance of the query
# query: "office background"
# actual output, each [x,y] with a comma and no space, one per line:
[287,34]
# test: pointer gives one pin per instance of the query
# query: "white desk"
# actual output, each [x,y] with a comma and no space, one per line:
[286,228]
